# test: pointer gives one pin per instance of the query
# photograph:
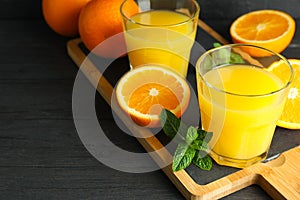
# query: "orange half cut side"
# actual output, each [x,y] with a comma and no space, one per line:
[290,117]
[144,91]
[271,29]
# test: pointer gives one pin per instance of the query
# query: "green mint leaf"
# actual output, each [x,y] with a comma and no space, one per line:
[191,135]
[203,135]
[199,145]
[208,63]
[172,125]
[217,44]
[236,58]
[183,157]
[202,160]
[223,56]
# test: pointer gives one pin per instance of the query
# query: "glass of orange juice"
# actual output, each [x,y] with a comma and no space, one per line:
[240,99]
[162,32]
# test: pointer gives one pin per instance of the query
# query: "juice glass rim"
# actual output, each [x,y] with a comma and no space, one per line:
[195,14]
[286,85]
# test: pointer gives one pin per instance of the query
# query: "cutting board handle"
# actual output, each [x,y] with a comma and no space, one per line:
[280,178]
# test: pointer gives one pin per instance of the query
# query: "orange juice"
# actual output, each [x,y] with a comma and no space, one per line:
[160,37]
[240,107]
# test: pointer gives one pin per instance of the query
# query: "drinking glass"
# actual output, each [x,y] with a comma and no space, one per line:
[241,97]
[162,33]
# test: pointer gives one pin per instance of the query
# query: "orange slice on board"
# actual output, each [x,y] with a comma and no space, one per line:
[144,91]
[271,29]
[290,117]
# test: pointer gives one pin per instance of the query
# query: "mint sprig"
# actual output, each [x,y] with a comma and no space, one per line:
[183,157]
[192,142]
[223,54]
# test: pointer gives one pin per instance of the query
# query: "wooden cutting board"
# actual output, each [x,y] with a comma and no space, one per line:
[280,178]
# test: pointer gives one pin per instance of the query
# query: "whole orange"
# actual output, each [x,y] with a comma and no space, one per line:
[62,15]
[98,21]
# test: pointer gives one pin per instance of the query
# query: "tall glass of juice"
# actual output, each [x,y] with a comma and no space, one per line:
[162,32]
[241,97]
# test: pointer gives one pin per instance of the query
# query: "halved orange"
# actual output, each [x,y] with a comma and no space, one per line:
[290,117]
[271,29]
[144,91]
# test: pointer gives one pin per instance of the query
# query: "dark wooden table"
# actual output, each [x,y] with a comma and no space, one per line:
[42,156]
